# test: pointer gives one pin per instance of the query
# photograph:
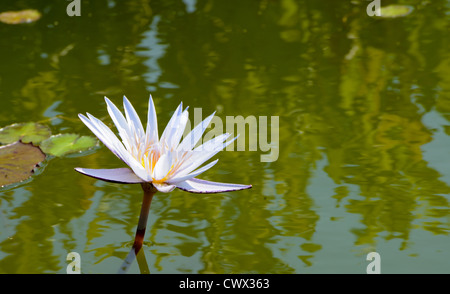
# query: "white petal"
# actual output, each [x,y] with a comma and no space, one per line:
[215,144]
[105,135]
[118,119]
[194,136]
[179,129]
[115,175]
[112,142]
[201,186]
[111,139]
[177,179]
[138,169]
[133,118]
[162,166]
[171,125]
[164,187]
[203,153]
[152,124]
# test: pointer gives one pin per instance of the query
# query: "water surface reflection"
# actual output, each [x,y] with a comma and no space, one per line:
[364,109]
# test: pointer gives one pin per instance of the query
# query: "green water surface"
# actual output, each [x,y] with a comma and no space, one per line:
[363,144]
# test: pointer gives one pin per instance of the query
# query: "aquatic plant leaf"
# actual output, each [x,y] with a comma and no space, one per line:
[26,132]
[63,144]
[18,17]
[18,161]
[393,11]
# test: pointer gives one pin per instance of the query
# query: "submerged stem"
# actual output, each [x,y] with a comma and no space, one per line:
[149,191]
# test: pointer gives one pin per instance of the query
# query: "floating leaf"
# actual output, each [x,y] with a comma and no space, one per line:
[63,144]
[26,132]
[22,16]
[18,161]
[393,11]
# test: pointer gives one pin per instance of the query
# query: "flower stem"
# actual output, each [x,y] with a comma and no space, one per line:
[149,191]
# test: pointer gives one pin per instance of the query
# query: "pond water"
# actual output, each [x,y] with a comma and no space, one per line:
[360,158]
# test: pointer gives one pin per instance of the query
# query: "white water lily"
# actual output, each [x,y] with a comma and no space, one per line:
[167,162]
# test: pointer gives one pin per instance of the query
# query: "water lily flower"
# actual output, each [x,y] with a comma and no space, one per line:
[158,164]
[166,162]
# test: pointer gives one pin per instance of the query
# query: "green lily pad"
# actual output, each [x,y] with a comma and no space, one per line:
[26,132]
[18,161]
[63,144]
[394,11]
[22,16]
